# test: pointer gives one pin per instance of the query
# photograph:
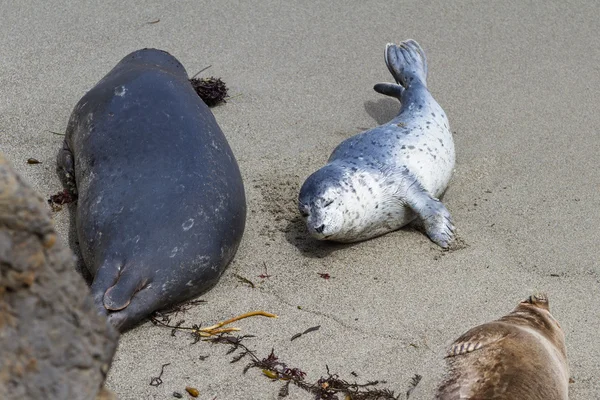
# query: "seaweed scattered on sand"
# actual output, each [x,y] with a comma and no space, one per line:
[166,315]
[328,387]
[157,380]
[312,329]
[214,330]
[56,201]
[265,275]
[413,384]
[245,280]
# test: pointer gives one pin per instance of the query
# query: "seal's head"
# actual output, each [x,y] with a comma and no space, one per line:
[535,312]
[321,202]
[153,59]
[330,204]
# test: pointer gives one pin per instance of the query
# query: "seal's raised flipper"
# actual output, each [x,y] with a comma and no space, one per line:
[66,165]
[406,62]
[433,214]
[389,89]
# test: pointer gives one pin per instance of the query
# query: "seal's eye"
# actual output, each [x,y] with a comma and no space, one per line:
[330,202]
[303,213]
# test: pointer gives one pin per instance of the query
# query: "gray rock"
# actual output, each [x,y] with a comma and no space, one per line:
[53,344]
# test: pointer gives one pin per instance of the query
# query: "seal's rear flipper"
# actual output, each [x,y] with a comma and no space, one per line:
[105,277]
[389,89]
[406,62]
[143,304]
[118,296]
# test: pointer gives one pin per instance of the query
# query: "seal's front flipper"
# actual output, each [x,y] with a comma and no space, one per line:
[406,62]
[66,165]
[433,214]
[478,338]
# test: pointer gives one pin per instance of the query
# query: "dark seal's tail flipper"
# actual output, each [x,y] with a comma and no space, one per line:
[407,63]
[124,298]
[138,308]
[105,278]
[118,296]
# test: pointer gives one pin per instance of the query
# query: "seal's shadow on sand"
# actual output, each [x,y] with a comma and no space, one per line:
[297,235]
[383,110]
[279,191]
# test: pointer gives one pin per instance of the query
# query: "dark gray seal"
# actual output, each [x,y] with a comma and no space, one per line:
[382,179]
[161,207]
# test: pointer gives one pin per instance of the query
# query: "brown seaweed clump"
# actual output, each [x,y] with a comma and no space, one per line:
[211,90]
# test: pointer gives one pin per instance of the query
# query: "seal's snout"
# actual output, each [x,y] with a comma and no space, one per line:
[323,219]
[322,226]
[315,227]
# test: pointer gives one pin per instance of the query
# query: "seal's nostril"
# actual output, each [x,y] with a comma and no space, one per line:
[320,229]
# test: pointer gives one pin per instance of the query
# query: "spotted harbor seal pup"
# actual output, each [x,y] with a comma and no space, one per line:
[381,179]
[161,205]
[521,356]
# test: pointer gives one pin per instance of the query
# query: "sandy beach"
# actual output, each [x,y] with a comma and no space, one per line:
[519,83]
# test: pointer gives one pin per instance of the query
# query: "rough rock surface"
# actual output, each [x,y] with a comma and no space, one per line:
[53,345]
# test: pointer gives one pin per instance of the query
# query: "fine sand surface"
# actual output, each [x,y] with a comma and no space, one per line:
[519,83]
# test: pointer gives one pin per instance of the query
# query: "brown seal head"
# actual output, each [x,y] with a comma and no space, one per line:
[519,356]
